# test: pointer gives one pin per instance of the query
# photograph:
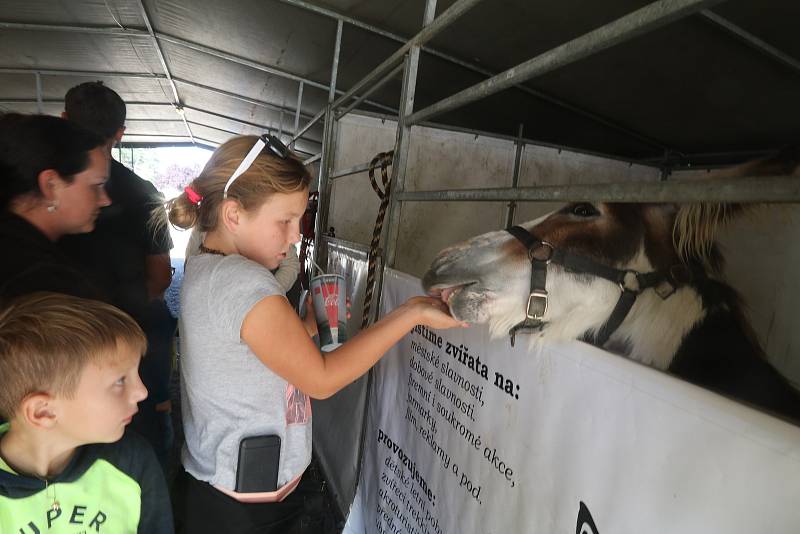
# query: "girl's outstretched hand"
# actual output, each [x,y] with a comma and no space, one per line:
[434,313]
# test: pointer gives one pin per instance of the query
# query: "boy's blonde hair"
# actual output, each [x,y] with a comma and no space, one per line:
[267,175]
[46,340]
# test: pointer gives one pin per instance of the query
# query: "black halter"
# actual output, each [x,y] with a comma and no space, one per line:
[630,283]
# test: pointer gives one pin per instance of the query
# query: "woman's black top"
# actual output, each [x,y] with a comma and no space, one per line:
[31,262]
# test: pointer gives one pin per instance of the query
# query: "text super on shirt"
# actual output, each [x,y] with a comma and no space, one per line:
[112,488]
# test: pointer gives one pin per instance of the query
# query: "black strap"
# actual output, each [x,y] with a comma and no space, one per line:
[524,236]
[539,254]
[624,305]
[631,283]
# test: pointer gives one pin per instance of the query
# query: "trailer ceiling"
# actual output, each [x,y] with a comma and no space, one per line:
[710,88]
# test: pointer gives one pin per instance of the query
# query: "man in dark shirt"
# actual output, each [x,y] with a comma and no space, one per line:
[128,257]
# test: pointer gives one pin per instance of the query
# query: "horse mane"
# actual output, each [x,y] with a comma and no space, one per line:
[696,225]
[695,231]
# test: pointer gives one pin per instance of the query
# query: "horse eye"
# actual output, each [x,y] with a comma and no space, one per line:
[584,209]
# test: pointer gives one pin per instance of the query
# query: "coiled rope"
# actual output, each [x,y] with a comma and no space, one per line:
[384,159]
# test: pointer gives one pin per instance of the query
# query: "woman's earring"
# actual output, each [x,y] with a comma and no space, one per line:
[52,207]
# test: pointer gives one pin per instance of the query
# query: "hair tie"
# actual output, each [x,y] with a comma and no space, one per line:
[193,196]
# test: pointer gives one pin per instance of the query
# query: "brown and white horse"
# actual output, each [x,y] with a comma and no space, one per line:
[661,259]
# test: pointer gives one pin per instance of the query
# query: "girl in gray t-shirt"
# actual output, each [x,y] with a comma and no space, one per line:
[248,364]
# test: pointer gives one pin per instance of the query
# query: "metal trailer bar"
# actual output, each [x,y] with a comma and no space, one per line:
[625,28]
[315,119]
[144,119]
[246,123]
[403,143]
[103,30]
[184,136]
[297,109]
[380,83]
[232,119]
[648,162]
[512,205]
[163,61]
[745,153]
[335,67]
[140,144]
[326,155]
[752,40]
[263,67]
[39,104]
[148,76]
[328,146]
[312,159]
[61,72]
[196,137]
[477,69]
[428,32]
[228,132]
[774,189]
[217,128]
[645,162]
[61,102]
[349,172]
[256,65]
[221,92]
[400,159]
[128,142]
[536,142]
[164,104]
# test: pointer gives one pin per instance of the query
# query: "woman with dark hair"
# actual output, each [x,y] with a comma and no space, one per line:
[52,178]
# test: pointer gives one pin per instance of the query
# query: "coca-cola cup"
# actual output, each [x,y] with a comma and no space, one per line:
[329,295]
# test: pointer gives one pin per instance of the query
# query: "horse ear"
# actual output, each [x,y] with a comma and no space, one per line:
[697,225]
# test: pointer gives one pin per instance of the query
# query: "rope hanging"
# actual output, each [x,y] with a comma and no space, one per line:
[384,159]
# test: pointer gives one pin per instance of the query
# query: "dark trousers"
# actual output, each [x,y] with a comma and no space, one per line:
[203,509]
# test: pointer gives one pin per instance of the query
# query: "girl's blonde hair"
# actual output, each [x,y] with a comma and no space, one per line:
[267,175]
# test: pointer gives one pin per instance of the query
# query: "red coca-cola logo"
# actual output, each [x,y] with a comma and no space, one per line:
[330,298]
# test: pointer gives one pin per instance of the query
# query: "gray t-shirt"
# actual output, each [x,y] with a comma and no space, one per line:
[227,393]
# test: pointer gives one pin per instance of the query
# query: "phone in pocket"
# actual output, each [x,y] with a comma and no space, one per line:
[257,469]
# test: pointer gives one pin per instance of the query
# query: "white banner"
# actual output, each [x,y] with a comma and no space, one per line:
[469,435]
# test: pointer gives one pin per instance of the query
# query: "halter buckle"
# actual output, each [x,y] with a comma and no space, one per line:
[630,282]
[537,304]
[664,289]
[541,252]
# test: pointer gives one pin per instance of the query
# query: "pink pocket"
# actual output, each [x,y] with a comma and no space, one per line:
[298,406]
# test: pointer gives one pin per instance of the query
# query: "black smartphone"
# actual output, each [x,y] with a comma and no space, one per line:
[257,469]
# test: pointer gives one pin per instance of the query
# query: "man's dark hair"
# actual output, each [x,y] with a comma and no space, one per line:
[95,107]
[30,144]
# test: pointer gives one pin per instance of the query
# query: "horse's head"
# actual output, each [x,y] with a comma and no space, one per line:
[487,279]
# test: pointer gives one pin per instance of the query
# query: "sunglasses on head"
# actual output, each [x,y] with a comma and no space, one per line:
[269,141]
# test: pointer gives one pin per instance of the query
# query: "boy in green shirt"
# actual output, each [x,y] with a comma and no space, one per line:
[70,385]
